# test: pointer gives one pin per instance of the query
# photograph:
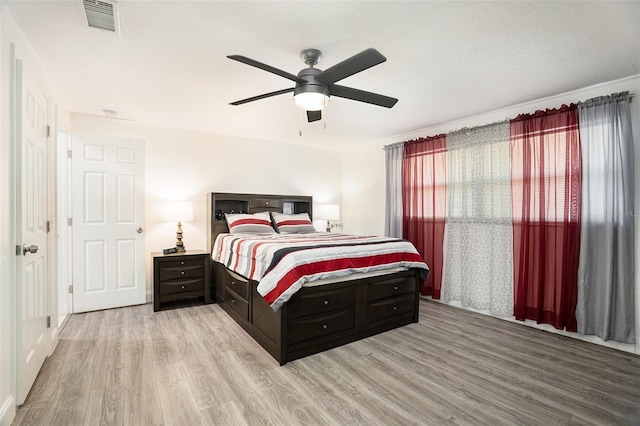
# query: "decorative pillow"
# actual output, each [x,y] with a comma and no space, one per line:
[258,223]
[293,223]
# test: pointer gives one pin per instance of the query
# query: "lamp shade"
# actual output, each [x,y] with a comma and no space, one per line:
[181,211]
[327,212]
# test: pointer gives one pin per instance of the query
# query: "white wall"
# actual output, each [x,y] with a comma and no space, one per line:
[183,165]
[363,191]
[358,174]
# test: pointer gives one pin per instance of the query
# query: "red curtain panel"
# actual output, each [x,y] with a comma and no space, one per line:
[424,204]
[546,189]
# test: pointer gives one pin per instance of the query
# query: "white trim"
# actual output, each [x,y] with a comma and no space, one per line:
[8,411]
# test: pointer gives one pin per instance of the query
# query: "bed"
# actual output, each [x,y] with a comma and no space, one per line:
[318,315]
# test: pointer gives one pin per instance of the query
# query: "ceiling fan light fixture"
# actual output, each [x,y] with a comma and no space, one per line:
[311,101]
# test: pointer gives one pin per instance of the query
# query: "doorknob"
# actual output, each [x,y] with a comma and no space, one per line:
[139,230]
[26,248]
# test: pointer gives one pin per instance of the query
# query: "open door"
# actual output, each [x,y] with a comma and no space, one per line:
[32,321]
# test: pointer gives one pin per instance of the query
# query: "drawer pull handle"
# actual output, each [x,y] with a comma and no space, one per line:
[395,308]
[182,272]
[324,326]
[395,287]
[233,283]
[326,302]
[182,263]
[267,203]
[182,286]
[233,300]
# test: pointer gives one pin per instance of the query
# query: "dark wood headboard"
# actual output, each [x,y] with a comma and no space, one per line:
[219,203]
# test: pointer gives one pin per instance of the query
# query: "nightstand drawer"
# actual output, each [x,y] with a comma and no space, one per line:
[181,263]
[182,286]
[179,272]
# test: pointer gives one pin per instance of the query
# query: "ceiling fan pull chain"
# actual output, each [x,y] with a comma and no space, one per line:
[300,122]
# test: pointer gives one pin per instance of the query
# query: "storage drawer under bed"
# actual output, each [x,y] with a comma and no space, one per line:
[321,302]
[309,328]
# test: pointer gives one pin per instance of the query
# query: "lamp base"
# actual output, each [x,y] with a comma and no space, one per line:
[179,243]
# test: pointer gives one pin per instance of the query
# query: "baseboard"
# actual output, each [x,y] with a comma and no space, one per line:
[149,296]
[8,411]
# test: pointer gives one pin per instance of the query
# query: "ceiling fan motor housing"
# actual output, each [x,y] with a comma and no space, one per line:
[312,85]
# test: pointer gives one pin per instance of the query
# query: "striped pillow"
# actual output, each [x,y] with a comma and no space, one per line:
[258,223]
[293,223]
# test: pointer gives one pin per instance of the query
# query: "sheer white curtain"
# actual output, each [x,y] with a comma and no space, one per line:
[393,198]
[606,271]
[478,239]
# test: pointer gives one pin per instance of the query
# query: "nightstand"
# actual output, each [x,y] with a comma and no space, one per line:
[181,276]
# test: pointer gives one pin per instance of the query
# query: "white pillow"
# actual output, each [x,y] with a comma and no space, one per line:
[293,223]
[258,223]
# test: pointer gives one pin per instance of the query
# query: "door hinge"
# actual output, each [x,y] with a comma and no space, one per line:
[49,322]
[70,221]
[48,226]
[48,131]
[70,289]
[69,154]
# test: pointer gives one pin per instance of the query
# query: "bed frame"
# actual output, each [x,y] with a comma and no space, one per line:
[316,318]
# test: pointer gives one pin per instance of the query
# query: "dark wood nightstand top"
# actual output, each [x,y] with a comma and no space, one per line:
[184,253]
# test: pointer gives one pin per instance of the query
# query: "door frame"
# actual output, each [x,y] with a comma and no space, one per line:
[64,240]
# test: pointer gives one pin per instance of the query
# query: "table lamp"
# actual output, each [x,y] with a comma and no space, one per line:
[178,212]
[327,212]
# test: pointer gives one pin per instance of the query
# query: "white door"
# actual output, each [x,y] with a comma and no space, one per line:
[108,220]
[31,229]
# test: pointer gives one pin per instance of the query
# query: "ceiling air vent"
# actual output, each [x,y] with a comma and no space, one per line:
[102,15]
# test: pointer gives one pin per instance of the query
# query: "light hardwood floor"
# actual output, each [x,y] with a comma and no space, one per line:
[195,366]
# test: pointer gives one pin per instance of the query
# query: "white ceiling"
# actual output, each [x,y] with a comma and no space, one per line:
[445,60]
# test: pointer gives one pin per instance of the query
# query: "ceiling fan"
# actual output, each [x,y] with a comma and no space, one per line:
[314,87]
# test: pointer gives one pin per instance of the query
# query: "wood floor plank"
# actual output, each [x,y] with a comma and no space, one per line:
[226,414]
[179,406]
[195,366]
[141,397]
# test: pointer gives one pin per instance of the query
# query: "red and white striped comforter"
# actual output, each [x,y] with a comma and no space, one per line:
[282,263]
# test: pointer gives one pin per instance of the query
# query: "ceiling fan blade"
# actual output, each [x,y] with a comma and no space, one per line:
[314,116]
[266,95]
[355,64]
[267,68]
[362,96]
